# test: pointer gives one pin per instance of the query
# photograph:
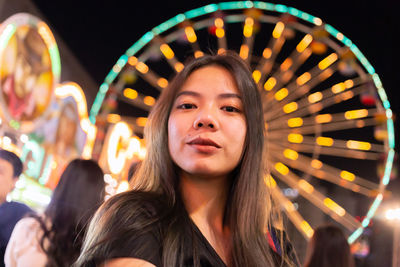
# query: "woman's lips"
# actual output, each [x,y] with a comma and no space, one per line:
[204,145]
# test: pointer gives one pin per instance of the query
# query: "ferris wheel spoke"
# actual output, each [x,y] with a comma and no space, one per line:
[168,54]
[308,191]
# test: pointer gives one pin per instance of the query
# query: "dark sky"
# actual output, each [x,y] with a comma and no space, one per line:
[99,32]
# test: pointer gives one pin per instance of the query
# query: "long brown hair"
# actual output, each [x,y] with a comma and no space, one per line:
[248,207]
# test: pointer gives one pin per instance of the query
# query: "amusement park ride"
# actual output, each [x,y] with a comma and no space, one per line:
[327,117]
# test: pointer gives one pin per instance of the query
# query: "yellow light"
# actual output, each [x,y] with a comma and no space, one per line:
[302,79]
[162,82]
[304,43]
[46,34]
[256,75]
[221,51]
[289,206]
[337,88]
[179,66]
[347,176]
[269,84]
[295,138]
[295,122]
[324,141]
[315,97]
[142,67]
[290,154]
[280,167]
[267,53]
[347,95]
[306,186]
[286,64]
[130,93]
[356,114]
[326,62]
[352,144]
[244,51]
[316,164]
[349,83]
[190,34]
[323,118]
[281,94]
[113,118]
[334,206]
[149,100]
[219,32]
[198,54]
[141,121]
[307,229]
[167,51]
[288,108]
[248,27]
[269,181]
[132,61]
[279,27]
[219,23]
[116,157]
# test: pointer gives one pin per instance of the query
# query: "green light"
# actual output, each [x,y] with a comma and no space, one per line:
[6,35]
[55,60]
[169,24]
[103,88]
[145,39]
[388,167]
[231,5]
[281,8]
[46,171]
[353,237]
[331,30]
[201,11]
[265,6]
[34,165]
[362,59]
[365,222]
[294,11]
[111,76]
[374,206]
[15,124]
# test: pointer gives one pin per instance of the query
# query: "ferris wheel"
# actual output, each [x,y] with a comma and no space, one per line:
[327,116]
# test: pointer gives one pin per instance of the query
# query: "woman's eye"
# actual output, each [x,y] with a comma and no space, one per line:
[186,106]
[230,109]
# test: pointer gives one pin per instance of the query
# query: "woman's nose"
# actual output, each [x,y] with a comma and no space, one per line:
[205,121]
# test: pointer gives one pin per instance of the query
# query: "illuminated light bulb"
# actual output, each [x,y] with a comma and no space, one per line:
[306,186]
[281,168]
[219,32]
[356,114]
[337,88]
[347,95]
[141,121]
[269,181]
[46,34]
[167,51]
[334,207]
[307,229]
[281,94]
[244,51]
[142,67]
[115,155]
[302,79]
[198,54]
[221,51]
[6,141]
[219,23]
[304,43]
[290,154]
[113,118]
[132,61]
[190,34]
[179,66]
[348,83]
[295,122]
[266,126]
[162,82]
[295,138]
[277,32]
[24,138]
[286,64]
[315,97]
[347,176]
[288,108]
[289,206]
[248,27]
[267,53]
[149,100]
[326,62]
[324,141]
[130,93]
[352,144]
[256,75]
[316,164]
[122,187]
[323,118]
[116,68]
[142,153]
[269,84]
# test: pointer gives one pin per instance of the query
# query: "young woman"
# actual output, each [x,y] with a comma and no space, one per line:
[329,248]
[199,197]
[55,238]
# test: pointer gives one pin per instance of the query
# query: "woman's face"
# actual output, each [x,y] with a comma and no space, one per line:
[207,125]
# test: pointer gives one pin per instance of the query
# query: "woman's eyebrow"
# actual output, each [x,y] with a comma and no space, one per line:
[189,93]
[230,95]
[196,94]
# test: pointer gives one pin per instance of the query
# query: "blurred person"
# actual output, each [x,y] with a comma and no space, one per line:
[55,237]
[199,197]
[328,247]
[10,211]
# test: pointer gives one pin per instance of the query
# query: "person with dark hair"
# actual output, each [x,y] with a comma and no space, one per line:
[198,197]
[54,239]
[329,248]
[10,211]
